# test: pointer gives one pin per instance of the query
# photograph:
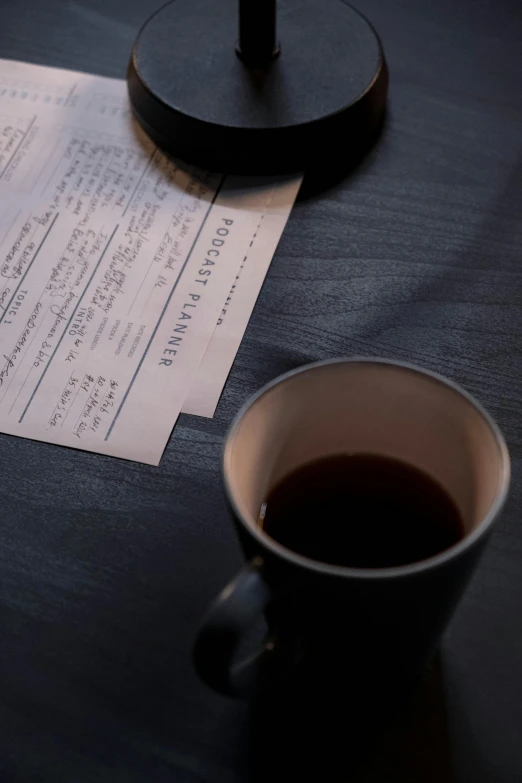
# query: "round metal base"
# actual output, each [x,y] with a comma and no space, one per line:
[325,93]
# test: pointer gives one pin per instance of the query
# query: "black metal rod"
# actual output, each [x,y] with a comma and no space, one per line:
[257,32]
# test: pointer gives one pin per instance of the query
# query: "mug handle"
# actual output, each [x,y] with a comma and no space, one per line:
[222,630]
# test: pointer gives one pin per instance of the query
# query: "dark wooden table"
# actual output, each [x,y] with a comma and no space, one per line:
[106,566]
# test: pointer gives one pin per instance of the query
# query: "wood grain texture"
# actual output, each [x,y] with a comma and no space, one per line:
[106,566]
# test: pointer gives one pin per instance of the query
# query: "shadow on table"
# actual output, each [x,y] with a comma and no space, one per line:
[360,734]
[329,168]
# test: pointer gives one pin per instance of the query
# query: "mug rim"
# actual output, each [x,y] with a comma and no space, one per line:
[416,567]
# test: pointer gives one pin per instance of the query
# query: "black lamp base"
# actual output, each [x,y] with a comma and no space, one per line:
[322,96]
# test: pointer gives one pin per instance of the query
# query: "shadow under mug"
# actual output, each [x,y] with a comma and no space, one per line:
[360,620]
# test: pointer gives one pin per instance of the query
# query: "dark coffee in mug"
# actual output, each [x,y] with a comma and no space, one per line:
[361,511]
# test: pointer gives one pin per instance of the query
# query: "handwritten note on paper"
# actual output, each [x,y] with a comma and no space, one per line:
[115,264]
